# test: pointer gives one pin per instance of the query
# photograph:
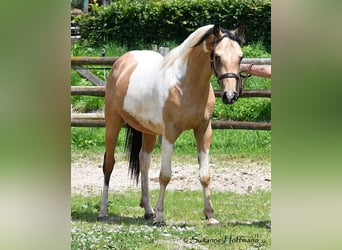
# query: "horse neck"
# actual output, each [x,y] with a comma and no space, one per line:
[198,71]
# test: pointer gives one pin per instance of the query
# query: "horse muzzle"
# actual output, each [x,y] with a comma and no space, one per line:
[229,97]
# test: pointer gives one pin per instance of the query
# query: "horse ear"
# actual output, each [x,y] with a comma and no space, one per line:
[239,31]
[217,30]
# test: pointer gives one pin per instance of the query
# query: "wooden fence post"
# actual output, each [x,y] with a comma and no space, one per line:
[85,6]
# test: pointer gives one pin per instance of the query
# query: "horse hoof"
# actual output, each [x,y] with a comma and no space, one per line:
[159,223]
[102,218]
[105,219]
[213,222]
[148,216]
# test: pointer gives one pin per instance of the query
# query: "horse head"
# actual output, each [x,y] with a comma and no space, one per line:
[225,57]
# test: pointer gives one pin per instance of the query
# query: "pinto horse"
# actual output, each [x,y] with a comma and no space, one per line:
[157,95]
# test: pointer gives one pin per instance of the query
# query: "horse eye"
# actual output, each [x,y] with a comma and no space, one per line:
[218,59]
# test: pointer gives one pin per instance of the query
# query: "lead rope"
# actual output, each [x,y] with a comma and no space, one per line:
[248,74]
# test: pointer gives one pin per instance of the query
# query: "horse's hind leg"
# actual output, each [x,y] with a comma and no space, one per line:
[113,126]
[203,139]
[148,142]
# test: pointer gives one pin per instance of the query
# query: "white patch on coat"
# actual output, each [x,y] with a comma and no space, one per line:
[149,87]
[142,100]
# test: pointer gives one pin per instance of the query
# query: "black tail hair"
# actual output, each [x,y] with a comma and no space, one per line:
[132,148]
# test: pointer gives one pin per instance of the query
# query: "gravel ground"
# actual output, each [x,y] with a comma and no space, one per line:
[241,176]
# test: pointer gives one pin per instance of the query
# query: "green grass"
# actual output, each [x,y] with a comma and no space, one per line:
[242,217]
[232,143]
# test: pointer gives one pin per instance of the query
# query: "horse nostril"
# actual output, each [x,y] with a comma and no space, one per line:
[229,97]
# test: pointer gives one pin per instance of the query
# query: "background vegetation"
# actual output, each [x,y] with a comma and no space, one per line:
[133,22]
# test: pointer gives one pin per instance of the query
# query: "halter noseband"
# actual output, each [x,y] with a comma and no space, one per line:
[226,75]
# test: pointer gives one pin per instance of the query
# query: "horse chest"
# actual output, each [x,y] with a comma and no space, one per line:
[184,113]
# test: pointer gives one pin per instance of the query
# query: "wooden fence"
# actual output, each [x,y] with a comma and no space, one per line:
[97,119]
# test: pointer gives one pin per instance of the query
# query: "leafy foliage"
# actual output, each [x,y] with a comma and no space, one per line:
[245,110]
[139,22]
[87,138]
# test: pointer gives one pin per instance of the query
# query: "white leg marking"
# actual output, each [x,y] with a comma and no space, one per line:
[167,149]
[204,172]
[203,158]
[145,160]
[104,202]
[164,178]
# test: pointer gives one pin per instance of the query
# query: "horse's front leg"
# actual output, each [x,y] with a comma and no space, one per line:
[164,179]
[203,139]
[145,154]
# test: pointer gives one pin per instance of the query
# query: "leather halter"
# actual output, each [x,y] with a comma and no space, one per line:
[226,75]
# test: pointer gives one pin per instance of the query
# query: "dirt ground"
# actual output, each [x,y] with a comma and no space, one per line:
[235,175]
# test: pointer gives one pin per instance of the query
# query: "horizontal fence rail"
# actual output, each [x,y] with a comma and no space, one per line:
[98,120]
[85,60]
[100,91]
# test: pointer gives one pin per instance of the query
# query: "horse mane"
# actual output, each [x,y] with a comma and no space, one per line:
[239,39]
[181,53]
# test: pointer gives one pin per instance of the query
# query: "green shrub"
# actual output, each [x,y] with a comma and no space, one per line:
[144,22]
[86,138]
[246,109]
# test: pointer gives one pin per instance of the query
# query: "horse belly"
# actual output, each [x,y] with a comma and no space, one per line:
[143,100]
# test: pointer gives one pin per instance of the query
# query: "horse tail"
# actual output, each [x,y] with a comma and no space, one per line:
[133,145]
